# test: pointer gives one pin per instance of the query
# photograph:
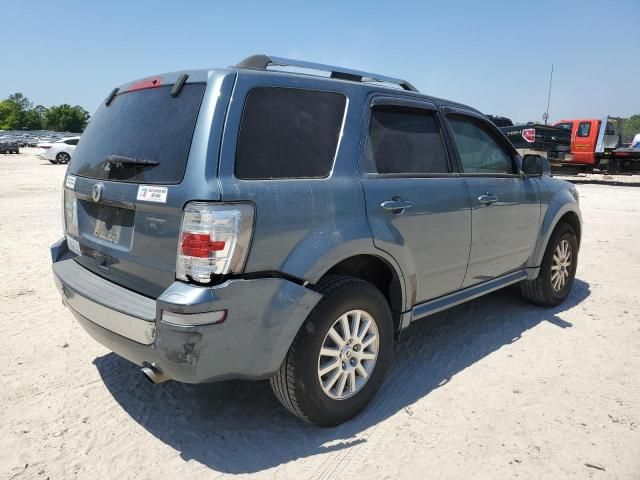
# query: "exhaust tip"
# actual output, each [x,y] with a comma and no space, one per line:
[153,374]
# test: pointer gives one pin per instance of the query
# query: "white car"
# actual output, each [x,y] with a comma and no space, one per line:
[58,152]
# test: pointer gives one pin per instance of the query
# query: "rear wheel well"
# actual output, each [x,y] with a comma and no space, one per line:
[379,273]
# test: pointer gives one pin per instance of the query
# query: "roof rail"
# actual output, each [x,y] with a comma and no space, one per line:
[261,62]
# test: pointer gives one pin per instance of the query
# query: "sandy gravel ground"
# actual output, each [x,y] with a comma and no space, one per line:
[492,389]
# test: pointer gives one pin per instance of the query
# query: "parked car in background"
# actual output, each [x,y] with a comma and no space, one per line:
[259,224]
[8,145]
[536,139]
[58,152]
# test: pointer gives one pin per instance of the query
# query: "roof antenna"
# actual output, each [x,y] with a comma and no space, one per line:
[545,115]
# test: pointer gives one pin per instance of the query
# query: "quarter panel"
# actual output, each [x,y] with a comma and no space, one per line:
[302,226]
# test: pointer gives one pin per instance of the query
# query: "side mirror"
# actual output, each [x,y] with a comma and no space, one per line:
[535,165]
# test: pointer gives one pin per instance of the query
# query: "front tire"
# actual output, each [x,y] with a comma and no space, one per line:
[557,272]
[340,356]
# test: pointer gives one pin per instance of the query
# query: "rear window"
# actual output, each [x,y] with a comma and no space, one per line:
[288,133]
[565,126]
[584,129]
[148,125]
[405,140]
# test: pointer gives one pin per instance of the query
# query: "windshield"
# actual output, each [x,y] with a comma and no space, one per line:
[148,125]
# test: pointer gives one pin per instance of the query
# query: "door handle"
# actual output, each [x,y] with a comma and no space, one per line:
[487,199]
[396,205]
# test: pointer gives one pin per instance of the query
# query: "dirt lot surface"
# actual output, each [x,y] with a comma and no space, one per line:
[492,389]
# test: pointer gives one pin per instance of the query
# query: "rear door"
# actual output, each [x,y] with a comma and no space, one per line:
[417,204]
[128,181]
[505,206]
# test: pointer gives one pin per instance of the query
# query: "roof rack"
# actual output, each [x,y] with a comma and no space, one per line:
[261,62]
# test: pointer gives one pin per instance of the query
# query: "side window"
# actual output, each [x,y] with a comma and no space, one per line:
[479,150]
[584,129]
[71,142]
[565,126]
[288,133]
[405,140]
[610,129]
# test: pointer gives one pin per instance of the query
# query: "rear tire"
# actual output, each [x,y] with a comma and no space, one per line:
[63,158]
[613,167]
[557,272]
[361,360]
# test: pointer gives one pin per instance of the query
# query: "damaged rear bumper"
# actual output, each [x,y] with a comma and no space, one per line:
[262,318]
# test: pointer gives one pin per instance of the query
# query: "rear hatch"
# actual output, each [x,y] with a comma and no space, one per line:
[127,182]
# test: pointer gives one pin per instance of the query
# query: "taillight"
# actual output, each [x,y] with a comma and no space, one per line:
[214,240]
[529,134]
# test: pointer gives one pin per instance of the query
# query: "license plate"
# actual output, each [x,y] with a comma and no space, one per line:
[109,234]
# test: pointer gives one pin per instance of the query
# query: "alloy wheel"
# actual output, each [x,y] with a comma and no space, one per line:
[561,265]
[348,354]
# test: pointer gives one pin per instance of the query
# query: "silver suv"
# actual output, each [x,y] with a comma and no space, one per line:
[255,223]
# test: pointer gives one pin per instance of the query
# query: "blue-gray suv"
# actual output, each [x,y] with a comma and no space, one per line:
[286,220]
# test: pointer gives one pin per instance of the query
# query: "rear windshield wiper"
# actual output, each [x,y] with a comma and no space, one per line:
[119,160]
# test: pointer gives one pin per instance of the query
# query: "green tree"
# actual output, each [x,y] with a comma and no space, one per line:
[21,101]
[31,120]
[9,113]
[65,118]
[631,126]
[18,113]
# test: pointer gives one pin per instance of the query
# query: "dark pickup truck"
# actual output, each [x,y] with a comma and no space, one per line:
[533,138]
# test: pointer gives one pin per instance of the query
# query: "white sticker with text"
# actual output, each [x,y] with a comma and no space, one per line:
[73,245]
[70,183]
[148,193]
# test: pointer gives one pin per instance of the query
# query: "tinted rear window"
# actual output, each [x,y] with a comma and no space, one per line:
[405,140]
[288,133]
[146,125]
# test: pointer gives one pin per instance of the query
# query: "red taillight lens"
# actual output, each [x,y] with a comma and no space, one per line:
[529,134]
[200,245]
[214,240]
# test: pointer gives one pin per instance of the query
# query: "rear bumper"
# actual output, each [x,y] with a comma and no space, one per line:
[263,317]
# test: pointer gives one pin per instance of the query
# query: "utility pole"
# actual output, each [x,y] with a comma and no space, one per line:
[545,115]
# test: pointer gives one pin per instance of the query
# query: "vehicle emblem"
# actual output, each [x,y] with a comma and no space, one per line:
[96,192]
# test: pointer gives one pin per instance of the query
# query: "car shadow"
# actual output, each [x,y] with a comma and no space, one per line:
[239,427]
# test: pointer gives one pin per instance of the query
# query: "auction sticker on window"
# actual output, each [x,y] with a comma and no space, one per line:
[149,193]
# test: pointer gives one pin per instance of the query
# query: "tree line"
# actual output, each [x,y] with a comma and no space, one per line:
[631,126]
[17,112]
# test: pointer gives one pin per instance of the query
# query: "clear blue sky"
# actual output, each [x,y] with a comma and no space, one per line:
[494,56]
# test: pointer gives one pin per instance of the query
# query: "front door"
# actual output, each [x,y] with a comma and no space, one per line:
[505,207]
[583,146]
[417,205]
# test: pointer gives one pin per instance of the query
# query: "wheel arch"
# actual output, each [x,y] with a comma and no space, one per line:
[567,213]
[381,273]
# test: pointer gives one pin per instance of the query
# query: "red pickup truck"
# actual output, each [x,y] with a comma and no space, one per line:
[597,144]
